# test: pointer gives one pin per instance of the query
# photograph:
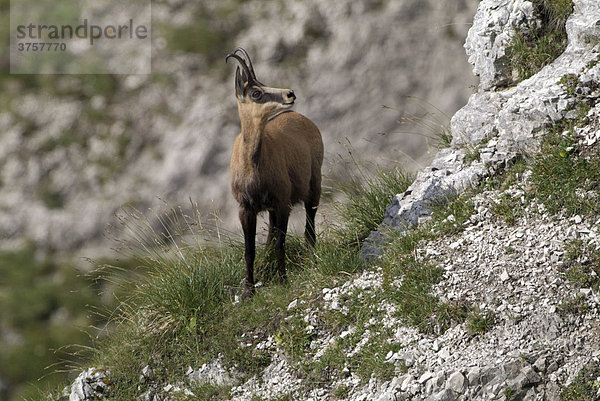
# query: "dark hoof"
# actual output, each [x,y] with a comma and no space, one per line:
[248,291]
[281,278]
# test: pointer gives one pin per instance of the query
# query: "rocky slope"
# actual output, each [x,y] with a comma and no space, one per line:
[535,346]
[543,327]
[74,149]
[500,124]
[540,328]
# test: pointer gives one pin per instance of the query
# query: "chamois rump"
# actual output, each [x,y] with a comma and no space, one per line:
[275,163]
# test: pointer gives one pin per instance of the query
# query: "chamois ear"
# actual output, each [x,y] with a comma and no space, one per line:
[240,79]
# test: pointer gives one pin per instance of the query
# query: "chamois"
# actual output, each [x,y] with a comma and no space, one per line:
[275,163]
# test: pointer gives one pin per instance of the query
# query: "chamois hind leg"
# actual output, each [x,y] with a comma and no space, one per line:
[310,205]
[281,222]
[309,231]
[248,220]
[271,233]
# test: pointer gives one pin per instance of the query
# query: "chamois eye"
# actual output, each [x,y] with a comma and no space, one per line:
[255,94]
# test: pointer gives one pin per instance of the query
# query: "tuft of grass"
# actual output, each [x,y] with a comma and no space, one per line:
[508,209]
[575,306]
[210,392]
[432,123]
[341,392]
[451,214]
[586,385]
[472,154]
[478,322]
[583,262]
[569,82]
[368,196]
[508,393]
[535,47]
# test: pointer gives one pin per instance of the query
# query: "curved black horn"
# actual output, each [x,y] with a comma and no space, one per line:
[248,60]
[243,63]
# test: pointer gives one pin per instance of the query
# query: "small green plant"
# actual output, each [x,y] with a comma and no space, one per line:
[569,82]
[535,47]
[294,337]
[583,265]
[341,392]
[478,322]
[210,392]
[508,393]
[574,306]
[451,214]
[592,63]
[508,208]
[472,154]
[585,386]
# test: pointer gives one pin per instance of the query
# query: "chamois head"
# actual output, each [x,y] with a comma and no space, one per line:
[254,98]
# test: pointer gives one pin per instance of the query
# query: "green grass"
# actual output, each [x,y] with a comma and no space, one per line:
[569,82]
[585,386]
[583,261]
[573,306]
[451,214]
[179,310]
[562,179]
[478,322]
[367,197]
[508,208]
[508,393]
[363,308]
[417,306]
[535,47]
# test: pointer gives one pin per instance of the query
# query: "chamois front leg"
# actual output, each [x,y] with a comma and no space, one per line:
[281,222]
[248,220]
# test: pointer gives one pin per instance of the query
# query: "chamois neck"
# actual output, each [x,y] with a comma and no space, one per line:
[252,125]
[252,131]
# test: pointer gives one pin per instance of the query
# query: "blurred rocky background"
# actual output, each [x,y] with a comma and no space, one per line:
[75,148]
